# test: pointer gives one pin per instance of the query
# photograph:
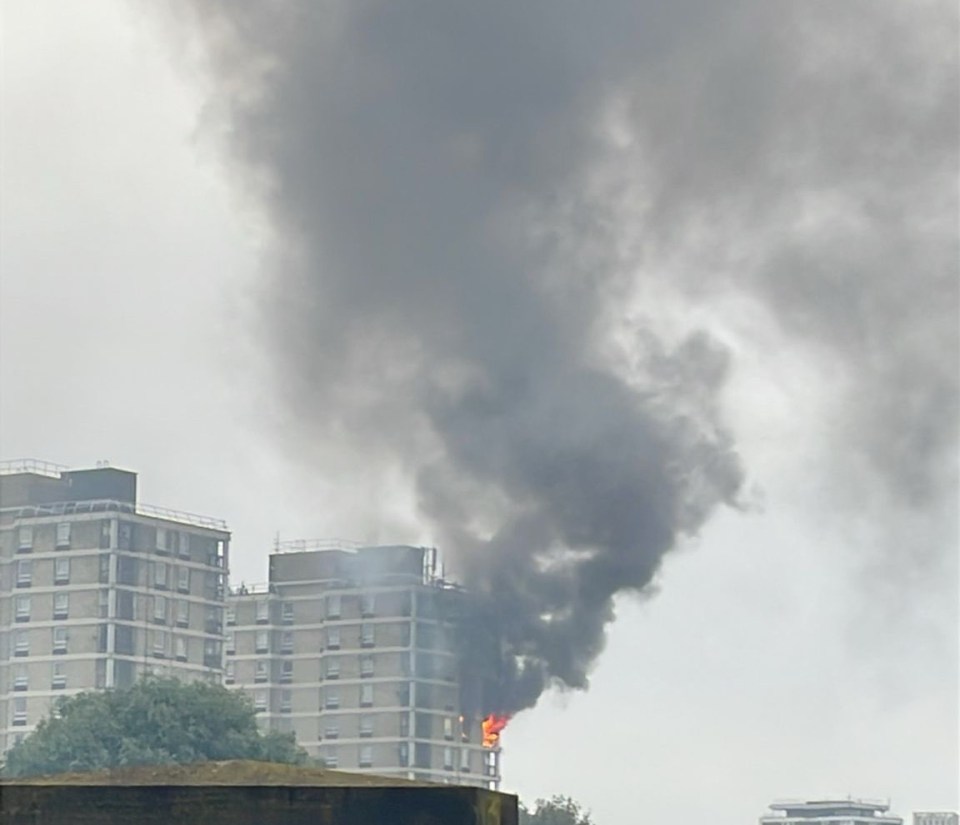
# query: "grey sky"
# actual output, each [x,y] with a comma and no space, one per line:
[806,648]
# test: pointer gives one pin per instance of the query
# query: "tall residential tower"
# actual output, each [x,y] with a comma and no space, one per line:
[352,649]
[97,589]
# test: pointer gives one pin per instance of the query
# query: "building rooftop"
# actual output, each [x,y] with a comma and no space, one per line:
[34,489]
[230,772]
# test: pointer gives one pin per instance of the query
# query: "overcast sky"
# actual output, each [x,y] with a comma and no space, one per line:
[803,645]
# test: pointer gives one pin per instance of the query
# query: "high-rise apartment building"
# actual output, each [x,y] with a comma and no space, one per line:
[97,589]
[936,818]
[830,812]
[351,648]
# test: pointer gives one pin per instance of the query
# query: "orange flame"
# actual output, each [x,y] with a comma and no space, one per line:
[492,726]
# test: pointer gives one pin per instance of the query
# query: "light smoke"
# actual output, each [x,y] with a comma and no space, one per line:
[466,199]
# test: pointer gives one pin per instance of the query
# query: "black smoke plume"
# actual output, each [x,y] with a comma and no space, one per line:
[468,201]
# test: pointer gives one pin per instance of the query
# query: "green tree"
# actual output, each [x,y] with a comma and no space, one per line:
[155,722]
[560,810]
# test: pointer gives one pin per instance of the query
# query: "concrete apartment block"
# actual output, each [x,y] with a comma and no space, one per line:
[97,589]
[351,648]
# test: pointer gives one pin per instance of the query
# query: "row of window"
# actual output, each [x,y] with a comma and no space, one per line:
[61,607]
[331,758]
[58,677]
[25,537]
[162,648]
[333,609]
[331,669]
[61,571]
[167,541]
[262,639]
[21,641]
[164,609]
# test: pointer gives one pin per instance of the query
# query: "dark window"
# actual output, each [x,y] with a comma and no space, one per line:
[127,570]
[124,535]
[421,755]
[125,604]
[123,639]
[123,673]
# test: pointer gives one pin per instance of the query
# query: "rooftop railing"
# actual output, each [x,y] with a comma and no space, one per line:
[309,545]
[31,465]
[63,508]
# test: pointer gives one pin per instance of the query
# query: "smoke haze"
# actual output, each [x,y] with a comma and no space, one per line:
[471,207]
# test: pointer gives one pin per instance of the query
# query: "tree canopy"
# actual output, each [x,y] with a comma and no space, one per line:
[158,721]
[559,810]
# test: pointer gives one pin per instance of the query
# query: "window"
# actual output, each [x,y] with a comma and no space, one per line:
[183,579]
[260,701]
[333,638]
[262,641]
[20,678]
[23,609]
[404,724]
[448,758]
[331,698]
[286,671]
[366,756]
[261,674]
[160,609]
[212,653]
[333,606]
[330,758]
[230,673]
[180,649]
[331,731]
[184,545]
[25,538]
[160,575]
[58,679]
[103,604]
[161,540]
[231,616]
[106,531]
[287,613]
[61,605]
[263,612]
[21,643]
[231,646]
[447,728]
[59,640]
[183,613]
[332,670]
[160,643]
[464,759]
[19,711]
[104,568]
[63,534]
[286,642]
[61,571]
[214,622]
[124,535]
[286,701]
[368,603]
[404,754]
[366,635]
[366,726]
[366,666]
[24,573]
[366,695]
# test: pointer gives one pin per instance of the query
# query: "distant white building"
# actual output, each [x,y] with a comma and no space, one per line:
[830,812]
[936,818]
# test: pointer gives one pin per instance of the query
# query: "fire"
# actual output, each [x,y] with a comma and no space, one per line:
[492,726]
